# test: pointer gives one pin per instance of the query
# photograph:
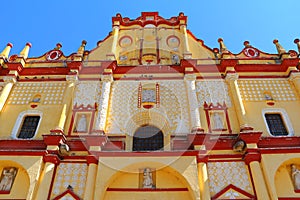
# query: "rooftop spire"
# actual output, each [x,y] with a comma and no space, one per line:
[58,46]
[25,51]
[6,51]
[297,41]
[247,44]
[81,49]
[279,48]
[223,48]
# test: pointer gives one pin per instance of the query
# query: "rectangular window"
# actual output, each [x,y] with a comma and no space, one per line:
[276,124]
[29,127]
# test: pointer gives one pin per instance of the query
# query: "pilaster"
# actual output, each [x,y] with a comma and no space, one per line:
[190,81]
[231,79]
[9,82]
[106,79]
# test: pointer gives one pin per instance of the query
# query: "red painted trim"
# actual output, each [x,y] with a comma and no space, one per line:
[22,144]
[4,192]
[91,160]
[68,191]
[250,137]
[288,198]
[54,139]
[81,108]
[145,154]
[280,141]
[233,187]
[147,190]
[51,158]
[211,107]
[4,152]
[143,21]
[252,156]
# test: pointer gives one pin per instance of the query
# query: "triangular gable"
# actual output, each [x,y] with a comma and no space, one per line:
[67,193]
[233,192]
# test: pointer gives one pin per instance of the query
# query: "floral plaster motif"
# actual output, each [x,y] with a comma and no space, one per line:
[222,174]
[124,106]
[212,92]
[87,93]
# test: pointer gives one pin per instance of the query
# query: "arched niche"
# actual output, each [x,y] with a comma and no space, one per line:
[14,180]
[169,184]
[283,180]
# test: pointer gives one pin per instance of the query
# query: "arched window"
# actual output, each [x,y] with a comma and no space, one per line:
[277,122]
[148,138]
[27,124]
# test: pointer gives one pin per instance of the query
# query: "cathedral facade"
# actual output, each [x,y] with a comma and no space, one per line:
[150,113]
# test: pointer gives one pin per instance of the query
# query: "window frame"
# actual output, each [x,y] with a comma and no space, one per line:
[19,123]
[285,120]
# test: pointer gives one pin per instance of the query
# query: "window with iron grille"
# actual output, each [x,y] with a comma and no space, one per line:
[276,125]
[148,138]
[29,127]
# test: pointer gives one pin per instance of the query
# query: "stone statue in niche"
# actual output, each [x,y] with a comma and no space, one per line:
[147,178]
[7,178]
[217,121]
[81,124]
[296,177]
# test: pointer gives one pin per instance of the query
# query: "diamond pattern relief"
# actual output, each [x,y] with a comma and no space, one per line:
[70,174]
[254,90]
[222,174]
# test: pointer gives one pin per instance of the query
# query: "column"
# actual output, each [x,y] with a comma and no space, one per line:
[252,159]
[104,100]
[46,177]
[231,79]
[68,96]
[9,82]
[203,179]
[91,178]
[190,81]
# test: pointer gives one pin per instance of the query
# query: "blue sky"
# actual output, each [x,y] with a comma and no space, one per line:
[45,23]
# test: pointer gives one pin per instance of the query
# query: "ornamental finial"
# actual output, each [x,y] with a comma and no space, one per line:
[247,44]
[223,48]
[24,53]
[297,41]
[5,52]
[279,48]
[58,46]
[81,49]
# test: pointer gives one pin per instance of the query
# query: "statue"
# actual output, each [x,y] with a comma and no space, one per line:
[296,177]
[7,178]
[82,124]
[148,180]
[218,122]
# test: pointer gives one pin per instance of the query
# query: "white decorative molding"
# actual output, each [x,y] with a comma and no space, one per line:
[212,91]
[103,105]
[123,107]
[87,93]
[193,101]
[19,121]
[285,118]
